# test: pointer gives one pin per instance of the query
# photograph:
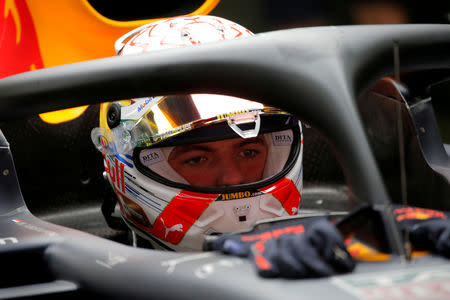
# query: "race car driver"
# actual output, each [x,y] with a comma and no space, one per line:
[186,166]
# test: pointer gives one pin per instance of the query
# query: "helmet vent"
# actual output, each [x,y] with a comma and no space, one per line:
[113,115]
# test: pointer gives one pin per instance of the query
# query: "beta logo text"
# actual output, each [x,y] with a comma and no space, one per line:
[282,138]
[150,156]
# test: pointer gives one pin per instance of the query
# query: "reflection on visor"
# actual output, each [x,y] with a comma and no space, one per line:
[151,120]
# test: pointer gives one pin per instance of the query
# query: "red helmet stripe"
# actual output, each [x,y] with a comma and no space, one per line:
[175,220]
[180,214]
[287,193]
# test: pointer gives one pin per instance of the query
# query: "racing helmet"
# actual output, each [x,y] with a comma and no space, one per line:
[169,159]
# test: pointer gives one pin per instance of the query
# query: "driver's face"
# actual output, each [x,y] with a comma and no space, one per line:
[220,163]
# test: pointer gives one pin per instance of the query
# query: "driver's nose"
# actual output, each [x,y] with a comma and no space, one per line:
[231,173]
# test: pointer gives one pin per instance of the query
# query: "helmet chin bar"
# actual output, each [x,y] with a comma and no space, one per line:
[235,120]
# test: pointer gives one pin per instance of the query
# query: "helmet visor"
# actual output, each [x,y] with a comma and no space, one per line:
[149,121]
[204,140]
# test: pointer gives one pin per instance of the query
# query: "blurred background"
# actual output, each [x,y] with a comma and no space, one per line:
[267,15]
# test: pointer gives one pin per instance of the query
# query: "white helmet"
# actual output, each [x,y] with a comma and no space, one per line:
[167,191]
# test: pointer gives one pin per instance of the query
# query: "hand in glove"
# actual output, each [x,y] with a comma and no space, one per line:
[428,229]
[310,247]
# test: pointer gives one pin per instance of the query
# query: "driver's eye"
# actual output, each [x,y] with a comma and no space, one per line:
[195,160]
[248,153]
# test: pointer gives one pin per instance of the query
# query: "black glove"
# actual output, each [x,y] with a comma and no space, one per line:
[310,247]
[433,235]
[428,229]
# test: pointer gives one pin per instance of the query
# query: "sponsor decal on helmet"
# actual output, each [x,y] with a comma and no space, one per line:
[144,104]
[149,157]
[115,171]
[144,142]
[138,108]
[224,116]
[133,211]
[176,227]
[238,195]
[282,138]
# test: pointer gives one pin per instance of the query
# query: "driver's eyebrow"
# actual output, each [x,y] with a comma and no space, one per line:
[187,148]
[255,140]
